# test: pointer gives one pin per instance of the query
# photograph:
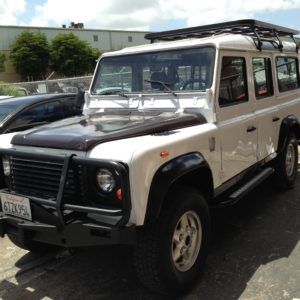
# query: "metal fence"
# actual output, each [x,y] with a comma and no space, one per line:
[65,85]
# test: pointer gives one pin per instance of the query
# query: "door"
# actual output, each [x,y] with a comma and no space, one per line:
[235,118]
[266,109]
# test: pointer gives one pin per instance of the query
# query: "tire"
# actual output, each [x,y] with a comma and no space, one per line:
[30,245]
[170,253]
[286,163]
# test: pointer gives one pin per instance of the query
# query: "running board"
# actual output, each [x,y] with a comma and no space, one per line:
[246,188]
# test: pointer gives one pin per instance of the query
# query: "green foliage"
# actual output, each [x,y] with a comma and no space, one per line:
[71,56]
[30,55]
[10,90]
[2,61]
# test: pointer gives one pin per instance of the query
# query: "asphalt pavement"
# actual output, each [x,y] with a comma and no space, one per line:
[255,255]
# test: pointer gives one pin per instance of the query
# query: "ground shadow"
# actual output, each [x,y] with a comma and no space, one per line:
[262,228]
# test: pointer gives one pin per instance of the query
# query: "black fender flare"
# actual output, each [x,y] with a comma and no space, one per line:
[165,176]
[288,124]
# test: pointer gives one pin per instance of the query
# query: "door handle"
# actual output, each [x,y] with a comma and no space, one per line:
[275,119]
[251,128]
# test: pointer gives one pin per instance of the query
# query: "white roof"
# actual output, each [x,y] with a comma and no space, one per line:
[222,41]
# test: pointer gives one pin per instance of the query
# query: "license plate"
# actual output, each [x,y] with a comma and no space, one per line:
[16,205]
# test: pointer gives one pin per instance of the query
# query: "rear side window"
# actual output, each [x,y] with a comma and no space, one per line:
[233,82]
[262,75]
[287,73]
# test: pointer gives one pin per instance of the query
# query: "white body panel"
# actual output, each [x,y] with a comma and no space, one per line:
[142,154]
[238,146]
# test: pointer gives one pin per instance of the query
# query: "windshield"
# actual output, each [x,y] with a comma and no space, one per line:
[6,110]
[176,70]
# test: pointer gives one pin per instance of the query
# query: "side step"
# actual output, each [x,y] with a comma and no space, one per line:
[247,187]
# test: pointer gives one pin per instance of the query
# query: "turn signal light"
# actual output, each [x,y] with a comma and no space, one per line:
[119,194]
[164,153]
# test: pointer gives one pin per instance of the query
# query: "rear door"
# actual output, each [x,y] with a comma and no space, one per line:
[266,108]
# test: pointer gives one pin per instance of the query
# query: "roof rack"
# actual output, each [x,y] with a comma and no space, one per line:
[258,30]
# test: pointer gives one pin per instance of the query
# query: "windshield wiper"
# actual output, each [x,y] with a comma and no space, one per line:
[114,93]
[164,84]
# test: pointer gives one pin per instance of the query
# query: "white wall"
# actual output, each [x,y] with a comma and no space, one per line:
[107,39]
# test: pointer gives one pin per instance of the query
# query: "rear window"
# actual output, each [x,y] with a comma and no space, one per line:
[262,75]
[287,73]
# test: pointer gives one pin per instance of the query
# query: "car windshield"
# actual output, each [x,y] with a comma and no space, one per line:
[164,71]
[7,106]
[6,110]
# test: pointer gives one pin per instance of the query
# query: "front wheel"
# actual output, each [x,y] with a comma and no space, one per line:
[287,162]
[170,254]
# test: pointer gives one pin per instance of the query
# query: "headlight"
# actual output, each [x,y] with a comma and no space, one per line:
[6,166]
[105,180]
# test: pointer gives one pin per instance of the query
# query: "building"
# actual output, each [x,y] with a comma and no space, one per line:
[105,40]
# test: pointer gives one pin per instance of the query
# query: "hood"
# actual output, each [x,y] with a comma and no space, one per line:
[82,133]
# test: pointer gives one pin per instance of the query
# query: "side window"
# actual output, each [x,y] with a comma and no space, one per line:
[72,105]
[54,111]
[262,76]
[233,82]
[27,119]
[287,73]
[31,116]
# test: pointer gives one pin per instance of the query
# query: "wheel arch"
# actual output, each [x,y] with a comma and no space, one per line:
[189,169]
[288,124]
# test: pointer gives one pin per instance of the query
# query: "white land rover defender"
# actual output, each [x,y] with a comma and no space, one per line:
[197,118]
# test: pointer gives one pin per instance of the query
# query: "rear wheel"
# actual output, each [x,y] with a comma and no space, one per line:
[170,253]
[287,162]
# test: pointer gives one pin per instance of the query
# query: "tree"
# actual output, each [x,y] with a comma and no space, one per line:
[2,61]
[71,56]
[30,55]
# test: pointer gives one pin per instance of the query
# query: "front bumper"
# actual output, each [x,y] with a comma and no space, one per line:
[77,234]
[60,222]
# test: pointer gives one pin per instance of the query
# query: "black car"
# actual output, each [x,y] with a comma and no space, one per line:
[21,113]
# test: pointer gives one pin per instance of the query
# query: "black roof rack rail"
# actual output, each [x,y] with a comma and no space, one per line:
[257,29]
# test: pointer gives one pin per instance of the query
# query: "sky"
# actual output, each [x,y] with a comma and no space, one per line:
[145,15]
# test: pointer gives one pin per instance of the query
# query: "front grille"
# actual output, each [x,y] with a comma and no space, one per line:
[39,178]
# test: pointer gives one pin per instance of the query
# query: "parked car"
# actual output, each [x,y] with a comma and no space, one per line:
[21,113]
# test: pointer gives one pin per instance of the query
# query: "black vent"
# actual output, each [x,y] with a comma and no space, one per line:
[39,178]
